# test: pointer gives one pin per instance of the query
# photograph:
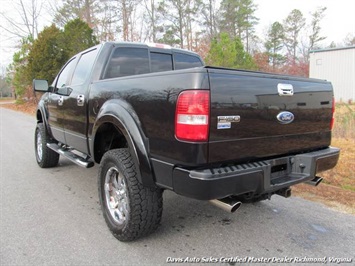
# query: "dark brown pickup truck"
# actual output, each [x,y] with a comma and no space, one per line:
[155,118]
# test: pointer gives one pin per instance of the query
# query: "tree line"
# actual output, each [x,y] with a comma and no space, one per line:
[222,32]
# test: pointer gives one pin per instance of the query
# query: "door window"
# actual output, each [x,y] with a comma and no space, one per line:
[84,67]
[63,79]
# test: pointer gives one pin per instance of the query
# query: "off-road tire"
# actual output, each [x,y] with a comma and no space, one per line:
[140,208]
[45,157]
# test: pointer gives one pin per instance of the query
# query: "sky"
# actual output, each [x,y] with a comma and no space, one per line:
[339,19]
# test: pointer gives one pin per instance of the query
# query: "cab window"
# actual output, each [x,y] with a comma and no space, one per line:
[127,61]
[161,62]
[183,61]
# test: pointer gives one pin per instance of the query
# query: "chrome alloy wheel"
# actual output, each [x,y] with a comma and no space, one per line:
[116,195]
[39,146]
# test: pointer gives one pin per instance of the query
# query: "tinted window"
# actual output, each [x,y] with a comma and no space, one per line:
[183,61]
[84,67]
[127,62]
[63,79]
[161,62]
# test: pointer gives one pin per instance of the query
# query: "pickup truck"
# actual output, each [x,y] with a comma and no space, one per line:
[156,118]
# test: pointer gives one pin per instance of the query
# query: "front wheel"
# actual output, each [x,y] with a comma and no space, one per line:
[45,156]
[130,209]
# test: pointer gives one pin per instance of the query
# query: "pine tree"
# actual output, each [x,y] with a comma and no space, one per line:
[222,52]
[293,24]
[229,52]
[47,55]
[78,36]
[237,18]
[274,44]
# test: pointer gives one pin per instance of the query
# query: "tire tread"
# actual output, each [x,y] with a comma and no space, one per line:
[49,157]
[146,204]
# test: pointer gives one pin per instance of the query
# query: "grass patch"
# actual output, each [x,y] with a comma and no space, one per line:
[344,121]
[338,188]
[6,99]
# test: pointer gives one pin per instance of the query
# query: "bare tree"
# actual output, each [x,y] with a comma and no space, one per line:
[181,16]
[315,37]
[127,8]
[107,20]
[151,18]
[209,17]
[26,22]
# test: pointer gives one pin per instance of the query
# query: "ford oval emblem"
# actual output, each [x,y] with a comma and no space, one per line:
[285,117]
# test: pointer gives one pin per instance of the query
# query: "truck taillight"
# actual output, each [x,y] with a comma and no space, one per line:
[333,111]
[192,115]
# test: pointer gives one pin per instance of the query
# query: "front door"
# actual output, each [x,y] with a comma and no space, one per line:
[56,102]
[75,104]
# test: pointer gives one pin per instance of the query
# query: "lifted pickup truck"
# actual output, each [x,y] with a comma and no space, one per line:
[155,118]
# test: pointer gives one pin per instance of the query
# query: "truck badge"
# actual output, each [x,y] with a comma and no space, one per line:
[225,122]
[285,117]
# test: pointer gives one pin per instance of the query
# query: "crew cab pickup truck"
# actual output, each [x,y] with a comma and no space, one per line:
[156,118]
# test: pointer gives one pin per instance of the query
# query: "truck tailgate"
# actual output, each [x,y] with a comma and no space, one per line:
[256,115]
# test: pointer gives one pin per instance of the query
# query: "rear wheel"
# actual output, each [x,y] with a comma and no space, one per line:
[130,209]
[45,156]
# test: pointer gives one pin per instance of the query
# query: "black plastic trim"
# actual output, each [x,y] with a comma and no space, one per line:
[256,177]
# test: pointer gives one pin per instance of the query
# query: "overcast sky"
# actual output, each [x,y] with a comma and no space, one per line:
[339,19]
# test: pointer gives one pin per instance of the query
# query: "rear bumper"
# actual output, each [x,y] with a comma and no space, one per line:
[258,178]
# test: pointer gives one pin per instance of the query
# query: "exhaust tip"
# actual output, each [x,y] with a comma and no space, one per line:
[235,206]
[227,204]
[315,181]
[318,181]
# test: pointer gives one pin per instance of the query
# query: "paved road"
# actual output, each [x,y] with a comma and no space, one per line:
[52,217]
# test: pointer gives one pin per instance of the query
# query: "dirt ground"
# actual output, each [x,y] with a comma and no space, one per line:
[336,191]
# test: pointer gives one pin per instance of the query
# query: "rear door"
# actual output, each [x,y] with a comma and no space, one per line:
[255,115]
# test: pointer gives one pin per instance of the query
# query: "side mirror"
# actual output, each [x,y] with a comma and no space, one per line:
[40,85]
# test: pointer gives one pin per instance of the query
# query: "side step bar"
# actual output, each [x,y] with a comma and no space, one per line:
[71,156]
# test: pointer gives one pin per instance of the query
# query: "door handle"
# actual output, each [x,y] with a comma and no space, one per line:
[60,100]
[285,89]
[80,100]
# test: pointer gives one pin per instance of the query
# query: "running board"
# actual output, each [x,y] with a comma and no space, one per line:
[71,156]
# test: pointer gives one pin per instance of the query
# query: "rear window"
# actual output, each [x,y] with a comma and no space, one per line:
[127,61]
[183,61]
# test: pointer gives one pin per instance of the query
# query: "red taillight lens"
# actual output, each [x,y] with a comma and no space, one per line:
[333,111]
[192,115]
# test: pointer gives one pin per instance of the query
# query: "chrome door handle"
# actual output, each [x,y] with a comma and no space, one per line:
[80,100]
[285,89]
[60,101]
